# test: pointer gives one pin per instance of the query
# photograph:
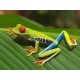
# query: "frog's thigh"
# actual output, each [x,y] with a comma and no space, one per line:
[49,52]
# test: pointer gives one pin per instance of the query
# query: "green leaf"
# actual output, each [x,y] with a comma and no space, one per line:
[13,56]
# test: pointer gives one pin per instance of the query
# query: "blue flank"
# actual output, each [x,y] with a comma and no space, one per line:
[52,45]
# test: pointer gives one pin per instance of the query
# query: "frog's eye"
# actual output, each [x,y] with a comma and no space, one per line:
[22,29]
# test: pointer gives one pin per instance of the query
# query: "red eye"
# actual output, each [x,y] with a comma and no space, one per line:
[22,29]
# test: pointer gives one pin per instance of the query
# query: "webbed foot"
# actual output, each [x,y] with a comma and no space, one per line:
[39,62]
[73,40]
[74,43]
[9,30]
[30,51]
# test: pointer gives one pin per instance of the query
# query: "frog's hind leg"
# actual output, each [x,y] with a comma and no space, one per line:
[48,55]
[70,40]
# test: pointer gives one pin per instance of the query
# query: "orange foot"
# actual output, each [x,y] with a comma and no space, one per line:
[9,30]
[73,40]
[30,51]
[39,62]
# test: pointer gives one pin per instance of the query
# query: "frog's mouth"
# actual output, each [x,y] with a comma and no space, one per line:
[10,30]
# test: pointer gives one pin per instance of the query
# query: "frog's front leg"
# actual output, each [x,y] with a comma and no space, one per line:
[46,56]
[8,30]
[33,50]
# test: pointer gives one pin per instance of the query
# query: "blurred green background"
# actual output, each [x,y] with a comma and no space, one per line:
[51,18]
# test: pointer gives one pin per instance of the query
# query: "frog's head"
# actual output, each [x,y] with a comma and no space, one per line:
[19,29]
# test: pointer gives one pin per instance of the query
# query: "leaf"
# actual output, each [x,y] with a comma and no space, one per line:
[13,56]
